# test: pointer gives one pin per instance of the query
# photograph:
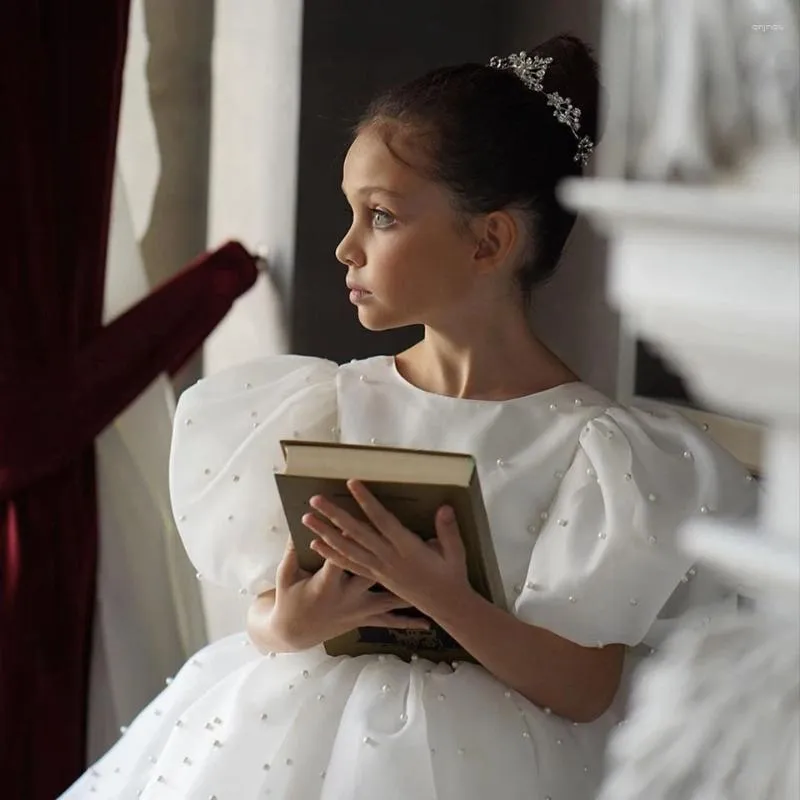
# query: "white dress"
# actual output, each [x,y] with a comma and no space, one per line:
[583,497]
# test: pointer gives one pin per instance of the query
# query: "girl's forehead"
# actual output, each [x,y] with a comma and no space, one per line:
[371,162]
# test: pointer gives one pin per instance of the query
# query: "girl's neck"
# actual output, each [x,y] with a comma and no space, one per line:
[497,362]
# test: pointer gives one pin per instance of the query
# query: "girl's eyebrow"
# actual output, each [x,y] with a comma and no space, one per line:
[368,189]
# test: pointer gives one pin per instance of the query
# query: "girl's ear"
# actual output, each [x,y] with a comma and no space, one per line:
[497,235]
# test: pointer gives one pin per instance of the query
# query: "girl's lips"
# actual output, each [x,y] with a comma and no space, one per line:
[359,295]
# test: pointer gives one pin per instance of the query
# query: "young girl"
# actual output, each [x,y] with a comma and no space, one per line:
[452,182]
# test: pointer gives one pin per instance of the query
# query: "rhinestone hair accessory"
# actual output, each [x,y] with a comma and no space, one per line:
[531,71]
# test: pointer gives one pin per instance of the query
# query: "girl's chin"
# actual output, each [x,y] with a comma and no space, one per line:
[373,320]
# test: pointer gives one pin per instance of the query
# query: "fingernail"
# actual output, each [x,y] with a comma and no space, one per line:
[447,514]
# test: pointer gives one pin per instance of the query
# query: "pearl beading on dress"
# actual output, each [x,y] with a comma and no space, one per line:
[367,740]
[532,528]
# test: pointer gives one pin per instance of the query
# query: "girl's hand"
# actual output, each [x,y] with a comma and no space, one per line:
[308,609]
[423,573]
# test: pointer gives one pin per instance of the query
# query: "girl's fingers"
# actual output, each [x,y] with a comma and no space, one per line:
[359,583]
[386,601]
[338,559]
[363,534]
[448,534]
[397,621]
[381,519]
[347,549]
[289,571]
[331,573]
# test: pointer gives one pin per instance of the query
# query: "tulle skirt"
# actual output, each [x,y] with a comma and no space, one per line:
[238,725]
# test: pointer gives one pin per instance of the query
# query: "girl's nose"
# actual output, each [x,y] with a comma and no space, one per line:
[347,251]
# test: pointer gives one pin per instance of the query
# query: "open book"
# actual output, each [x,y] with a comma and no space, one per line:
[412,484]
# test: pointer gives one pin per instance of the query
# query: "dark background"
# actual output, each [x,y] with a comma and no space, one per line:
[396,42]
[656,378]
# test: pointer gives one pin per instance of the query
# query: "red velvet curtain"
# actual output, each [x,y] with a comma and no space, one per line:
[63,376]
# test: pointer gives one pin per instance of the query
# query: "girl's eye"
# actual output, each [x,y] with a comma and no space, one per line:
[381,218]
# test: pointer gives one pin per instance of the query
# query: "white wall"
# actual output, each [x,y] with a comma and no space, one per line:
[255,128]
[253,190]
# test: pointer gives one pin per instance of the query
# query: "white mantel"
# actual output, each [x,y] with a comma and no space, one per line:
[711,275]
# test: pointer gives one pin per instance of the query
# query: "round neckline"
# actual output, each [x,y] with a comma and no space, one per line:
[541,395]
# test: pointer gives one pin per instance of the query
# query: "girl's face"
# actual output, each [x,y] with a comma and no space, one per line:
[409,259]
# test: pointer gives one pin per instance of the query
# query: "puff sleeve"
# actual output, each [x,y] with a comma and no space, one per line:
[607,566]
[225,448]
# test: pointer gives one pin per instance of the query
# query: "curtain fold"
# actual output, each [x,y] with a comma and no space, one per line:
[95,381]
[63,376]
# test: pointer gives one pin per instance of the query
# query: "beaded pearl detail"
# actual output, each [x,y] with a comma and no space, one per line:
[501,455]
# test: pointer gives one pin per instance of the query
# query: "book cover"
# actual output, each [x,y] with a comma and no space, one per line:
[415,505]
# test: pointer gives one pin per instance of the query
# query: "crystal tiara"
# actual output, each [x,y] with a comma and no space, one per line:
[531,70]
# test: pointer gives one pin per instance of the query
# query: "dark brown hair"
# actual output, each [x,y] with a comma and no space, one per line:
[496,144]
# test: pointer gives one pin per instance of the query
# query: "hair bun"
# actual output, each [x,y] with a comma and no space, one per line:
[574,74]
